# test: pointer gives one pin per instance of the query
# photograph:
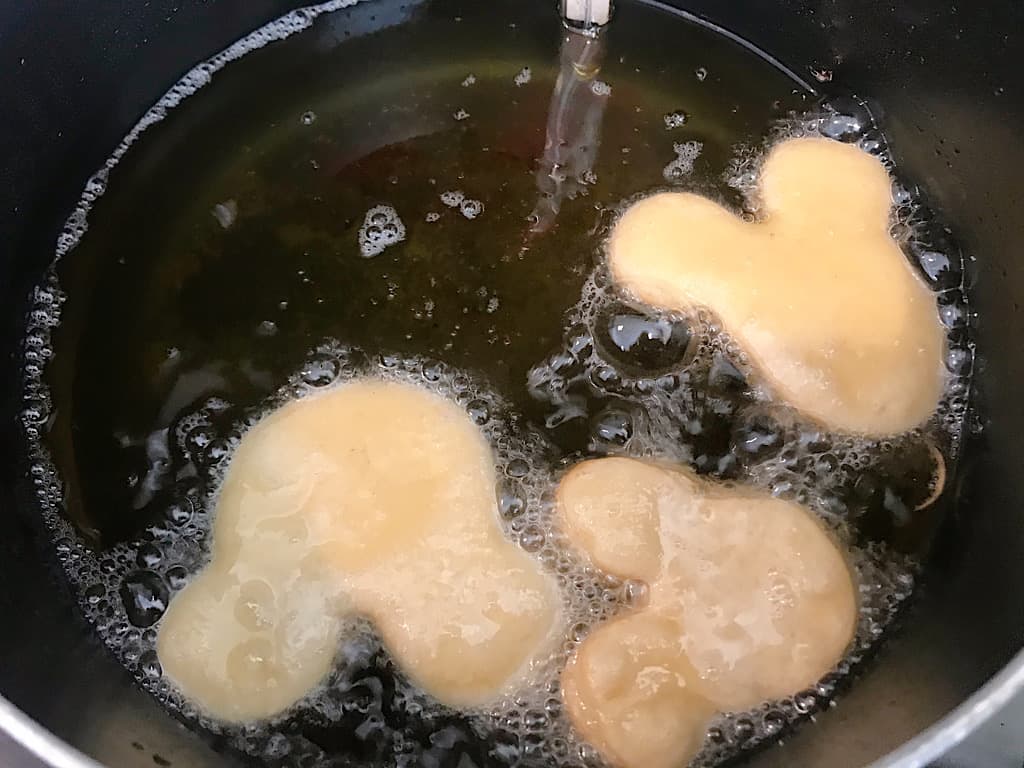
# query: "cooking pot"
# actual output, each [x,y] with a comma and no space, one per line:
[944,80]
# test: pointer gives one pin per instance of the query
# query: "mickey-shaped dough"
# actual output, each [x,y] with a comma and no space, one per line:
[817,292]
[374,499]
[749,600]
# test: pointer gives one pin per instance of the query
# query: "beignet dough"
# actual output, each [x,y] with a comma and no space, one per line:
[374,499]
[817,292]
[750,600]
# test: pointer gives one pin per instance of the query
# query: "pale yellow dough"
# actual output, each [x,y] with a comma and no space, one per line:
[374,499]
[749,600]
[817,292]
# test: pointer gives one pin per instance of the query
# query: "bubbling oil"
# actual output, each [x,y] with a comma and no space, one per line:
[228,270]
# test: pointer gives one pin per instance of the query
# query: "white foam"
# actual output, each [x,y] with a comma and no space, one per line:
[675,120]
[226,213]
[381,229]
[471,208]
[453,198]
[687,153]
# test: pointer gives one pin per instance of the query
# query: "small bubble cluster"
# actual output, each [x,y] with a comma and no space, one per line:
[453,198]
[471,208]
[675,120]
[687,153]
[381,229]
[600,88]
[522,77]
[456,198]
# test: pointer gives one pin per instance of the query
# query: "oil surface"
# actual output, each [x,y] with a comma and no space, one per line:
[371,181]
[228,245]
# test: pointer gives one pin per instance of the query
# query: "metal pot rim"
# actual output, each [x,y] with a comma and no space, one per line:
[921,750]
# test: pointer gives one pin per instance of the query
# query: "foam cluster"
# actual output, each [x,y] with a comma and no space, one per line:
[381,229]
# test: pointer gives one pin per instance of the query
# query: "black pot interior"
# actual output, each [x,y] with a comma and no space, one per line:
[942,79]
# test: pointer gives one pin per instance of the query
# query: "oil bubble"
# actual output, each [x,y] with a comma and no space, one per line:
[640,341]
[382,228]
[676,119]
[145,597]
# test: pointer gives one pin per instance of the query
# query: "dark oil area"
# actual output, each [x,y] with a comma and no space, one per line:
[166,307]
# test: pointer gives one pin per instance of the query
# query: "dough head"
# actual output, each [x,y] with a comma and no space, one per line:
[818,293]
[375,499]
[750,601]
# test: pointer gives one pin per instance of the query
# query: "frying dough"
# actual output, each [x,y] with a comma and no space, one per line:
[749,600]
[373,499]
[631,693]
[817,292]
